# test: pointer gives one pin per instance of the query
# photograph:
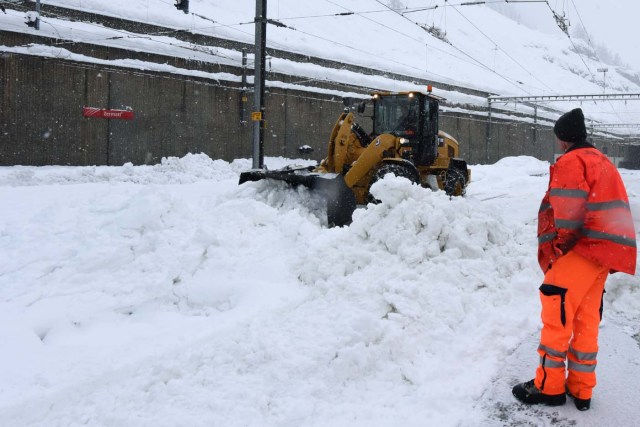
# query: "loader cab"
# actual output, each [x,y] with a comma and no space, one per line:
[409,115]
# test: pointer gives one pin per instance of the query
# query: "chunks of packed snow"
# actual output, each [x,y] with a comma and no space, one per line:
[170,295]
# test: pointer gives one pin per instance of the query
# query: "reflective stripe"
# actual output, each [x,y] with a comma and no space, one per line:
[581,355]
[569,224]
[546,238]
[548,363]
[621,240]
[581,367]
[552,352]
[565,192]
[603,206]
[544,207]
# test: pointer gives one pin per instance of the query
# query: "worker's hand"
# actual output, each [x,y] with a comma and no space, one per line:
[557,253]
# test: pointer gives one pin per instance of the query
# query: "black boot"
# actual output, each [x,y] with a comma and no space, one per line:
[529,394]
[581,404]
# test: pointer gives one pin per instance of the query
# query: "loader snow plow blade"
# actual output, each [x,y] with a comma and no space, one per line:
[340,200]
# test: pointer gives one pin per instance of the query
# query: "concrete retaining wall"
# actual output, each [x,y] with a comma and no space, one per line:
[41,119]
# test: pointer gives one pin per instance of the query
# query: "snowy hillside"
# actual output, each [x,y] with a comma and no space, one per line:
[490,49]
[168,295]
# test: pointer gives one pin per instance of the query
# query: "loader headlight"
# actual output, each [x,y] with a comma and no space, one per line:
[404,142]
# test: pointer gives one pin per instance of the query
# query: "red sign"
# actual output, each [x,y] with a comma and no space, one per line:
[107,114]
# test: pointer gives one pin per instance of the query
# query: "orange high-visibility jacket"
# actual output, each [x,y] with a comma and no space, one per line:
[586,209]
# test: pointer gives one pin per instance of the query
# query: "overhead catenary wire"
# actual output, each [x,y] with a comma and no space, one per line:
[476,63]
[594,50]
[502,50]
[125,35]
[473,3]
[576,50]
[130,36]
[459,50]
[124,69]
[347,13]
[159,33]
[592,47]
[341,14]
[574,46]
[482,65]
[469,3]
[363,51]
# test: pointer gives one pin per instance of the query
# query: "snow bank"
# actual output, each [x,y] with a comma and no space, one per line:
[169,295]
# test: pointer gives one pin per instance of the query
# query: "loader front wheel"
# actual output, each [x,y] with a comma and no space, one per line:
[455,182]
[398,169]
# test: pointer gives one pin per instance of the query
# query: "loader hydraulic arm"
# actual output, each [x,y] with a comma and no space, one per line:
[370,158]
[338,144]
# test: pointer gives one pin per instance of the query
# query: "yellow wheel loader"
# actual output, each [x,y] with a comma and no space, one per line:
[405,141]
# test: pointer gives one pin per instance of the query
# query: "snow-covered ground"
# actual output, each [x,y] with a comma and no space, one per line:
[168,295]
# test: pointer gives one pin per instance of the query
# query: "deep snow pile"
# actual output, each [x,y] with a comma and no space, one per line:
[171,170]
[169,295]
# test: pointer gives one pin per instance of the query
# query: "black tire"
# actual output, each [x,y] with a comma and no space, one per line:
[398,169]
[455,182]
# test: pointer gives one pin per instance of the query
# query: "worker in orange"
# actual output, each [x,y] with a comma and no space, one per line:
[585,232]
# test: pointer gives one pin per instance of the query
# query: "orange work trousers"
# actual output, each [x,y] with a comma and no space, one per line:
[571,296]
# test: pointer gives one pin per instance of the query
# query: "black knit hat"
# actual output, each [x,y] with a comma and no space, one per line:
[570,127]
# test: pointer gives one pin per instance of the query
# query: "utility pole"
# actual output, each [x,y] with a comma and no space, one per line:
[257,116]
[37,27]
[604,78]
[243,93]
[488,138]
[535,124]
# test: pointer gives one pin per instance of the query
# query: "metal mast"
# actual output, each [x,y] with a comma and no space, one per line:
[258,116]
